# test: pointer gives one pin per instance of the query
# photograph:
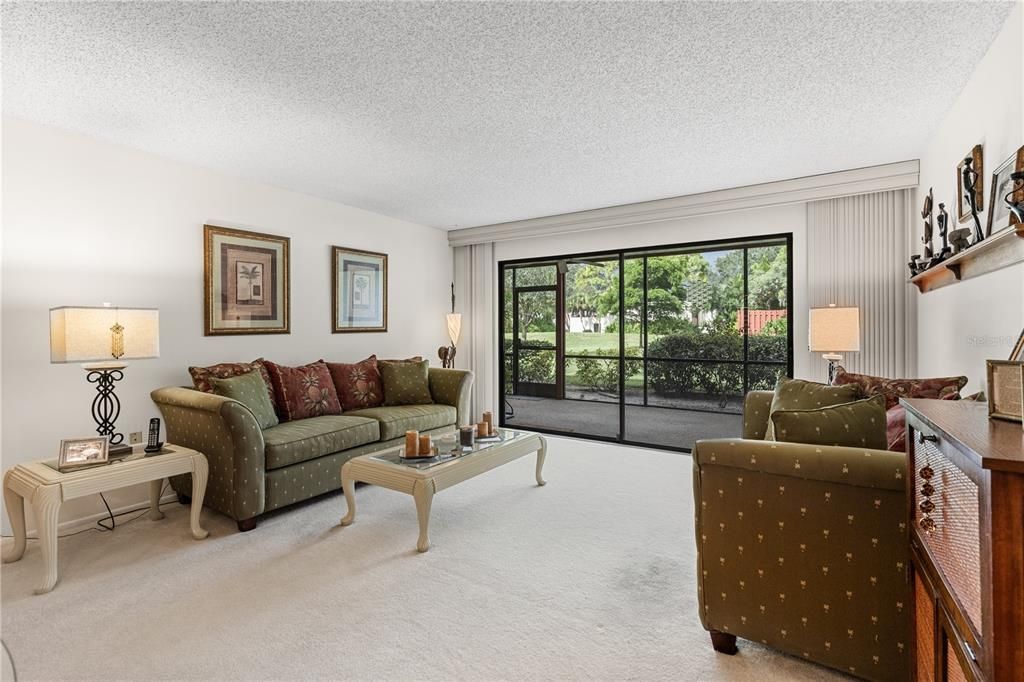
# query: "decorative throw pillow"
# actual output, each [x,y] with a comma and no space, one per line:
[201,376]
[796,394]
[250,390]
[358,384]
[939,388]
[406,383]
[860,424]
[305,391]
[896,429]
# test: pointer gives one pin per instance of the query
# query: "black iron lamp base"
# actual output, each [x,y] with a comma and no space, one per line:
[105,406]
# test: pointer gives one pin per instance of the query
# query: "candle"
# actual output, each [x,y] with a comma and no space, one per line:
[425,444]
[466,436]
[489,420]
[411,443]
[483,430]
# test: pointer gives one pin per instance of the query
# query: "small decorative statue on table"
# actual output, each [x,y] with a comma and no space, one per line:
[969,179]
[926,213]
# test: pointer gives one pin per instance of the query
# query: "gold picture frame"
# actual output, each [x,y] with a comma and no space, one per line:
[246,282]
[359,291]
[82,453]
[963,208]
[1005,390]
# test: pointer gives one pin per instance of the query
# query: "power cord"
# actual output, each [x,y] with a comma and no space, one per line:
[102,523]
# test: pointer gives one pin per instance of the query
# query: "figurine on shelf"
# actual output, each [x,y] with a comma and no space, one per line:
[1016,185]
[914,264]
[943,223]
[970,179]
[960,239]
[926,213]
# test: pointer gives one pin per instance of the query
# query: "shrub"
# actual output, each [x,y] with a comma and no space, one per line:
[537,366]
[602,373]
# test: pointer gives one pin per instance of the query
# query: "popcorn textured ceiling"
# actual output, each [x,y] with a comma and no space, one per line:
[462,114]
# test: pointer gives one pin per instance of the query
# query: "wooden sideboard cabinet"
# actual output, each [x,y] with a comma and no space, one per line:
[966,497]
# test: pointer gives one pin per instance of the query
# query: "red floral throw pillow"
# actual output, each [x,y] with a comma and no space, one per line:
[305,391]
[201,375]
[358,384]
[939,388]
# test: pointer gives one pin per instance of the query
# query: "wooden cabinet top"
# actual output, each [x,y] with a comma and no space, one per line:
[989,443]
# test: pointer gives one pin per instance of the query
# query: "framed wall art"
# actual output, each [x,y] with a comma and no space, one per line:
[359,299]
[999,215]
[973,167]
[246,282]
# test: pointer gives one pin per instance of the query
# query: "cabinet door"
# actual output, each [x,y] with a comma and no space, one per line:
[925,622]
[955,663]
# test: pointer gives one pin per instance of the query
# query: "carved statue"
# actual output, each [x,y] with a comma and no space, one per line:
[960,239]
[914,264]
[926,213]
[969,179]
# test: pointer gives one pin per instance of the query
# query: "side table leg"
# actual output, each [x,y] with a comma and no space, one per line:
[15,504]
[541,454]
[155,488]
[423,493]
[46,503]
[349,486]
[200,471]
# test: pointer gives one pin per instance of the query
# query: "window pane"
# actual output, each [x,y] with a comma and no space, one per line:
[767,284]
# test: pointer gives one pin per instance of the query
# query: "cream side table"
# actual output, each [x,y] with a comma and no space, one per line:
[45,488]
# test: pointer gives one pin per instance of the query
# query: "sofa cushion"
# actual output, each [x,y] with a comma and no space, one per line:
[358,384]
[395,421]
[406,383]
[860,424]
[201,376]
[796,394]
[306,439]
[939,388]
[302,392]
[250,390]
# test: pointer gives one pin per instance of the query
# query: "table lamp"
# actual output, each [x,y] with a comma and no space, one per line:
[454,323]
[104,337]
[834,330]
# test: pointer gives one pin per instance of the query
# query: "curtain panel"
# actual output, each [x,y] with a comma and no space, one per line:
[476,295]
[857,253]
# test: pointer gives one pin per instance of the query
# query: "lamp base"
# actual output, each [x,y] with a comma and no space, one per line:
[833,360]
[105,406]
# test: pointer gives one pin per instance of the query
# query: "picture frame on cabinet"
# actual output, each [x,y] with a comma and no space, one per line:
[246,282]
[1005,390]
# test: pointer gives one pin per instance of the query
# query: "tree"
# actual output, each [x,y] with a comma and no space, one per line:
[667,277]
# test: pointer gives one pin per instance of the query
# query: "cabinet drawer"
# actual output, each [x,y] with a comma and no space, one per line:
[947,521]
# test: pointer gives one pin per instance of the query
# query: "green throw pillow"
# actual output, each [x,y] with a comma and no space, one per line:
[860,424]
[251,390]
[405,383]
[796,394]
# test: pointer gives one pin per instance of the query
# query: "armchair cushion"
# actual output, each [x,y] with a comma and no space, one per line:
[250,390]
[796,394]
[858,424]
[306,391]
[306,439]
[395,421]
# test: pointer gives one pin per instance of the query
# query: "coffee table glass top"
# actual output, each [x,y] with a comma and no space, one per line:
[394,455]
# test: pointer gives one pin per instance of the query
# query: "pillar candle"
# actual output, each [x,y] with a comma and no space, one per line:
[489,420]
[411,443]
[425,444]
[482,430]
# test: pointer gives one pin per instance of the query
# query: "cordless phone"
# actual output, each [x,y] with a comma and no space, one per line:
[154,445]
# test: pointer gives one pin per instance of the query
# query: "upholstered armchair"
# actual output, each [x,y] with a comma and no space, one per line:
[803,548]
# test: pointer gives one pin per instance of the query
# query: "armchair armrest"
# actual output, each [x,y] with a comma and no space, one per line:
[452,387]
[227,433]
[756,407]
[828,463]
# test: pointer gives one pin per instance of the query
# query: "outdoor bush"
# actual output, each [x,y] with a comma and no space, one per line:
[601,374]
[537,366]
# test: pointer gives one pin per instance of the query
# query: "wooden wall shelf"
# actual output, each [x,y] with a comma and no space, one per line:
[998,251]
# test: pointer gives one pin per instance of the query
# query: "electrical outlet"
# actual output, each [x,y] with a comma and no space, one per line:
[135,437]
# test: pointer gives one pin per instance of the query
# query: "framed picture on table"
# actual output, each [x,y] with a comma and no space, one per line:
[246,282]
[359,300]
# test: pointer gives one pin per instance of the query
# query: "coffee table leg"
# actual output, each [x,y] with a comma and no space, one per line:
[423,493]
[46,503]
[349,486]
[541,454]
[200,472]
[155,488]
[15,504]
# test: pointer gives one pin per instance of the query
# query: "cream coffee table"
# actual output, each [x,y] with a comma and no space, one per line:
[422,479]
[43,486]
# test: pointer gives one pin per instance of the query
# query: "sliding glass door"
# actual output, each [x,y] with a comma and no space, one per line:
[653,346]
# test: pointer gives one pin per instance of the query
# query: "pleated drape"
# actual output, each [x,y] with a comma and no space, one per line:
[476,294]
[857,250]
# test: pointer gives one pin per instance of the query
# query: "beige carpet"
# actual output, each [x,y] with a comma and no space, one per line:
[590,577]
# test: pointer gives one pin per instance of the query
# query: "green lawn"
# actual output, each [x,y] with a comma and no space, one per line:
[577,342]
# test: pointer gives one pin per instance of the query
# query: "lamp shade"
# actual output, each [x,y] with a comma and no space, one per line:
[834,329]
[84,334]
[454,326]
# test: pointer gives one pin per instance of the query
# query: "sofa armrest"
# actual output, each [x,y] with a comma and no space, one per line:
[850,466]
[757,406]
[228,434]
[452,387]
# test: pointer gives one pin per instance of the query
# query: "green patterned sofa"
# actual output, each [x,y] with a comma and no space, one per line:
[804,548]
[253,471]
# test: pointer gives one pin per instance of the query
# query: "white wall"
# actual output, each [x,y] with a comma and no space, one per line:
[779,219]
[961,326]
[86,222]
